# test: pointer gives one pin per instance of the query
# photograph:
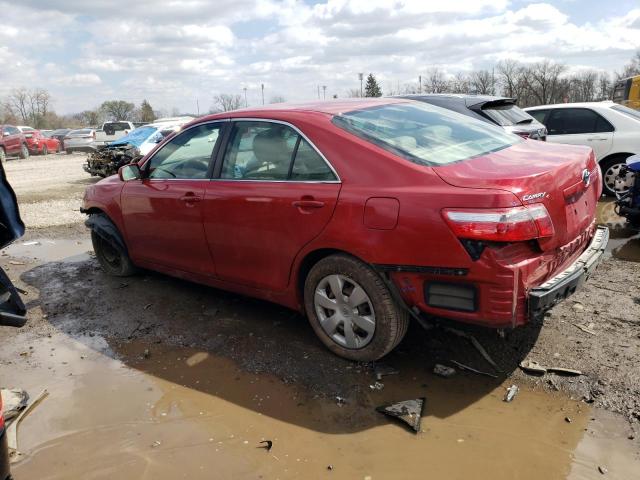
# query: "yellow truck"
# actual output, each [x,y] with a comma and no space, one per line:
[626,91]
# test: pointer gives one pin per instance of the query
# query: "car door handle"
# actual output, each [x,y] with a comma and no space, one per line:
[307,204]
[190,198]
[596,139]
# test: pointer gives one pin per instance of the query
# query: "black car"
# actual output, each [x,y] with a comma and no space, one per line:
[60,133]
[12,310]
[501,111]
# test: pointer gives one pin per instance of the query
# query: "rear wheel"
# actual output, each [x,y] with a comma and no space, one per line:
[351,309]
[113,261]
[24,152]
[45,150]
[610,169]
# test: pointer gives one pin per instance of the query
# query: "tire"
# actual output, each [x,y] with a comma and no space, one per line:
[3,155]
[341,329]
[69,152]
[45,150]
[24,152]
[609,169]
[112,261]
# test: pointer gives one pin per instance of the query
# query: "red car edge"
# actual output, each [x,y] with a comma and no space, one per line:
[398,223]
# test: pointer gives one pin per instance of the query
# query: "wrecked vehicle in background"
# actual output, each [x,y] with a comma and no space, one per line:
[107,159]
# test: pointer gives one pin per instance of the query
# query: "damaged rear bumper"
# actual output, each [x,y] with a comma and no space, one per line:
[564,284]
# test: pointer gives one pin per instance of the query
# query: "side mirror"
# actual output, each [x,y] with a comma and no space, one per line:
[129,172]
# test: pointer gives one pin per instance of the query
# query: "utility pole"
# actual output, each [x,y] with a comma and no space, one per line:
[419,83]
[262,87]
[318,91]
[198,107]
[324,92]
[361,76]
[245,97]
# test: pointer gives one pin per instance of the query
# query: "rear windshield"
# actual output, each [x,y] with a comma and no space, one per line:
[425,134]
[508,115]
[116,126]
[629,112]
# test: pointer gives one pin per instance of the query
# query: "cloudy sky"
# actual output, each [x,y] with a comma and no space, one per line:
[173,52]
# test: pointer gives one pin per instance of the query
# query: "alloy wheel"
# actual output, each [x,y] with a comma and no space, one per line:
[610,177]
[345,311]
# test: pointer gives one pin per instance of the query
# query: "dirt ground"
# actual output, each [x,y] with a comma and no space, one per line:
[154,377]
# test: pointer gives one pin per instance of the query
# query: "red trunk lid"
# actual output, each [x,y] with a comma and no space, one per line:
[538,172]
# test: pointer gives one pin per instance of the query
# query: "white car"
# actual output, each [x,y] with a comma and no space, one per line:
[145,138]
[612,130]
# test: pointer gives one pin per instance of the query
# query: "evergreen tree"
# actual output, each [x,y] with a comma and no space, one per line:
[371,88]
[146,112]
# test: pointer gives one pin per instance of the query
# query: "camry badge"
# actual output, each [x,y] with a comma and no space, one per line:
[533,196]
[586,177]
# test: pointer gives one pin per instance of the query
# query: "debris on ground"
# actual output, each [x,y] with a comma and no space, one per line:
[444,371]
[329,467]
[13,401]
[340,401]
[532,367]
[567,419]
[382,370]
[12,430]
[267,445]
[512,391]
[585,328]
[146,353]
[29,244]
[564,371]
[407,411]
[476,344]
[602,470]
[377,386]
[462,366]
[156,444]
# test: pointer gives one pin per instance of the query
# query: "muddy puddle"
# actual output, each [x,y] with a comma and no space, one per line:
[50,250]
[624,242]
[149,411]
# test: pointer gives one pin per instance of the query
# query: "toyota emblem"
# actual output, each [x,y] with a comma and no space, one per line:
[586,177]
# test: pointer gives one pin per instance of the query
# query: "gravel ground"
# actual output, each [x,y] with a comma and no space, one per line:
[49,188]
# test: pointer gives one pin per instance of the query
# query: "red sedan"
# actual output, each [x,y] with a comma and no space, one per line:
[39,143]
[362,214]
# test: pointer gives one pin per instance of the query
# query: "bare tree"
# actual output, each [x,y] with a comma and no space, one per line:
[353,93]
[510,78]
[583,87]
[277,99]
[543,82]
[605,87]
[118,109]
[483,82]
[632,68]
[91,117]
[226,102]
[460,83]
[18,104]
[435,81]
[31,107]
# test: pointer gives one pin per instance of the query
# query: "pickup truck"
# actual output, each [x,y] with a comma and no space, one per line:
[111,131]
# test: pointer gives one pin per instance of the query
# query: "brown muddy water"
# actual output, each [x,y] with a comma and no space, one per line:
[624,242]
[115,412]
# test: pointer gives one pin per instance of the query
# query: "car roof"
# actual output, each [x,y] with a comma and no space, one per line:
[329,107]
[603,104]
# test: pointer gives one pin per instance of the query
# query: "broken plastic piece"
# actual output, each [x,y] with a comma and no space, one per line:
[462,366]
[532,367]
[564,371]
[12,430]
[444,371]
[13,401]
[407,411]
[383,370]
[512,391]
[267,445]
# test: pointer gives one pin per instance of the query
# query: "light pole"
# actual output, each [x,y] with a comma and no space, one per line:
[324,92]
[419,83]
[262,87]
[361,76]
[245,97]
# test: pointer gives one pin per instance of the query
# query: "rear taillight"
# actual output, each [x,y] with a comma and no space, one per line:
[500,224]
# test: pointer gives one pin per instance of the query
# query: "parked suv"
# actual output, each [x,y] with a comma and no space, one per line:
[501,111]
[12,142]
[611,130]
[361,213]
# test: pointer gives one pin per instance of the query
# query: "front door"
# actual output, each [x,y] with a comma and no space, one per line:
[274,194]
[580,126]
[163,211]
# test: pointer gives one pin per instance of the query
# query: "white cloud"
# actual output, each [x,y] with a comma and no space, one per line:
[174,52]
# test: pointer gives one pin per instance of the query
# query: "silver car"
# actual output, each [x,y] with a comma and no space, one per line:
[80,140]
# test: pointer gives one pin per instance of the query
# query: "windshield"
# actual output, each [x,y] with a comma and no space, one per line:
[137,137]
[507,115]
[425,134]
[629,112]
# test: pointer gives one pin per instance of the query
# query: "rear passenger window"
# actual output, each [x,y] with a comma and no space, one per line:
[272,151]
[538,114]
[571,121]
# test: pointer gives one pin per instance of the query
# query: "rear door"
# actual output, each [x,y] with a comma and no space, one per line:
[163,211]
[274,193]
[13,141]
[580,126]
